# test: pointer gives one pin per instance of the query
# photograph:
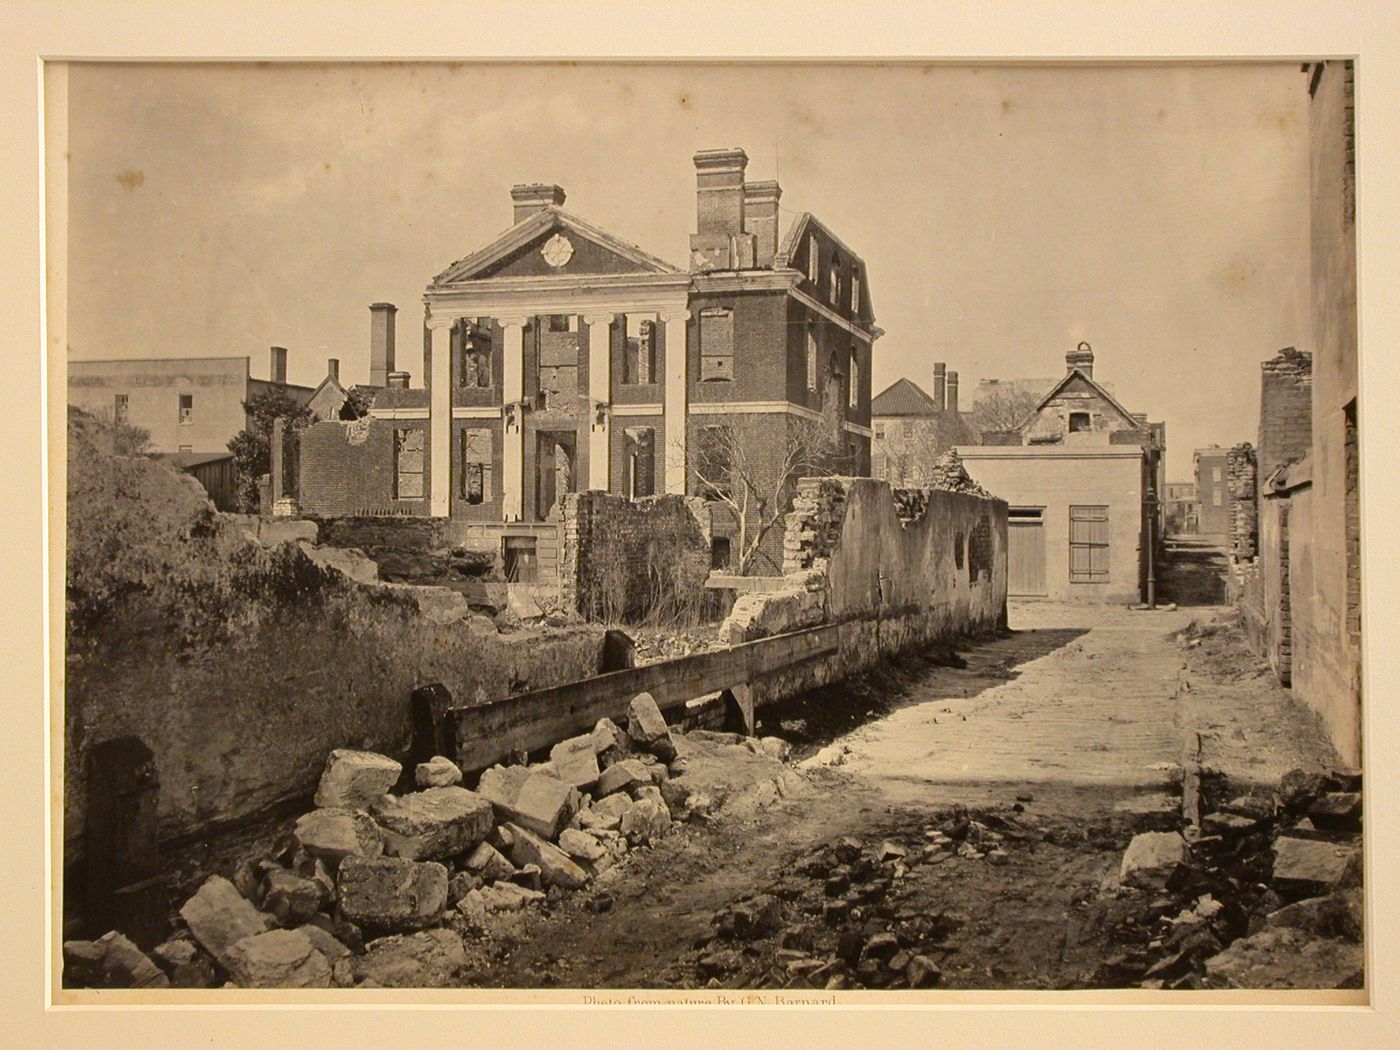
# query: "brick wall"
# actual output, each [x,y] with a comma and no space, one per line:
[1285,410]
[621,559]
[1242,483]
[348,468]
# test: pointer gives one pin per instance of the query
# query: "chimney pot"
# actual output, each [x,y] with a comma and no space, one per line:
[383,325]
[1082,358]
[533,197]
[333,368]
[278,367]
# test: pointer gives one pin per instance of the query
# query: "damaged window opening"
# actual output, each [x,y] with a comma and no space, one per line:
[641,462]
[520,560]
[408,463]
[472,345]
[855,380]
[476,466]
[719,552]
[979,551]
[639,360]
[1078,422]
[186,408]
[833,279]
[716,346]
[811,357]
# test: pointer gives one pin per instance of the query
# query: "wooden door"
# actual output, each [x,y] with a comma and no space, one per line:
[1025,541]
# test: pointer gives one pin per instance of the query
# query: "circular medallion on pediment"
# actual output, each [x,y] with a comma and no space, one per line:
[557,250]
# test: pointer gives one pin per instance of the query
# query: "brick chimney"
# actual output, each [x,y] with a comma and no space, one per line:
[383,324]
[333,368]
[952,395]
[278,367]
[535,196]
[761,218]
[940,384]
[1082,358]
[720,241]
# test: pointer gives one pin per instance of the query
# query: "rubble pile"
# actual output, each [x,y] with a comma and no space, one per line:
[1265,895]
[949,475]
[840,918]
[374,889]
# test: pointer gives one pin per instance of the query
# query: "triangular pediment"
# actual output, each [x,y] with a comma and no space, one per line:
[553,243]
[1076,382]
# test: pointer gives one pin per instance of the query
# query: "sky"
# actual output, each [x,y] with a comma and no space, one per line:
[1004,213]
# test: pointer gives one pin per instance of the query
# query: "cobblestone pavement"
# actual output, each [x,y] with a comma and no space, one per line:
[1079,701]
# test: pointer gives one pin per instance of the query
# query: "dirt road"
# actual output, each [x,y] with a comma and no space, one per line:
[1061,738]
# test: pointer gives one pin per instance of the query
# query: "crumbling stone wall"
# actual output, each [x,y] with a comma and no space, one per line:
[242,665]
[624,560]
[896,569]
[1241,474]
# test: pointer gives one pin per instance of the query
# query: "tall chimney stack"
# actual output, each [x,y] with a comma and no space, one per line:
[940,384]
[333,368]
[720,241]
[761,218]
[1082,358]
[535,196]
[278,368]
[383,325]
[952,405]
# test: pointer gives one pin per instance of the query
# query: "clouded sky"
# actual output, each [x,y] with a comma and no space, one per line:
[1004,212]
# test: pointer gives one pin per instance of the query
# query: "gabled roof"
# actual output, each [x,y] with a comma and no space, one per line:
[903,397]
[1097,387]
[536,226]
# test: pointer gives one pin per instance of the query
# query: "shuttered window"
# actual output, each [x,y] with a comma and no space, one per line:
[1088,544]
[716,346]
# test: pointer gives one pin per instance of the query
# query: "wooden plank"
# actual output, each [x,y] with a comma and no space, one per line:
[488,733]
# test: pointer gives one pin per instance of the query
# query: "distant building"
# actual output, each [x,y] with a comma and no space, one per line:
[1181,509]
[186,404]
[1076,473]
[912,429]
[1211,467]
[559,357]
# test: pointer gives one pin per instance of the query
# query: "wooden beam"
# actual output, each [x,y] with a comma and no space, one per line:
[488,733]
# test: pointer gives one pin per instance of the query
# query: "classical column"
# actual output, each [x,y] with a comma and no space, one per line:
[677,402]
[440,419]
[599,399]
[513,420]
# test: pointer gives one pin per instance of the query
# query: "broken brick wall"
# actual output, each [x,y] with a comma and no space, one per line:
[1285,410]
[625,560]
[1241,480]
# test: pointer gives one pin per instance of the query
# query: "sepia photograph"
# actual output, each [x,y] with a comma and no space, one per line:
[766,531]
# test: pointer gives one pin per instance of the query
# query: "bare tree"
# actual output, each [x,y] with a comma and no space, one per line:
[737,465]
[912,446]
[1004,409]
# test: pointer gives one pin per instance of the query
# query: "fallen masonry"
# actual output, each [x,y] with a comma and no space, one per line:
[376,889]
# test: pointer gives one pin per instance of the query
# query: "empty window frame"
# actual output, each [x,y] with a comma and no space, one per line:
[471,344]
[1078,421]
[813,259]
[853,387]
[520,558]
[120,403]
[408,463]
[641,462]
[855,290]
[833,279]
[1088,544]
[716,346]
[812,357]
[477,481]
[639,357]
[186,408]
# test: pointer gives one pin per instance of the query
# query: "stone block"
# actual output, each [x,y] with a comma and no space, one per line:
[219,917]
[623,775]
[610,743]
[647,728]
[354,779]
[581,846]
[556,867]
[334,834]
[1310,868]
[645,822]
[507,896]
[543,804]
[431,959]
[1286,957]
[614,807]
[337,954]
[278,959]
[391,893]
[487,862]
[1336,811]
[576,762]
[111,961]
[291,899]
[436,822]
[1152,858]
[437,772]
